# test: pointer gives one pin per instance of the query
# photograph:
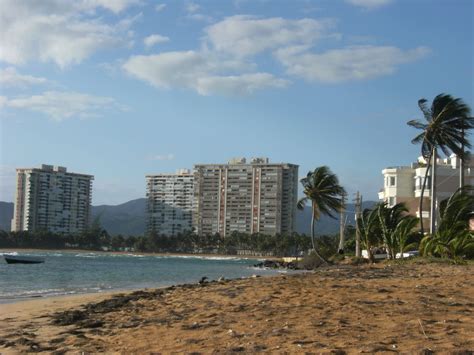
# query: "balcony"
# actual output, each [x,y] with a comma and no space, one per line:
[381,194]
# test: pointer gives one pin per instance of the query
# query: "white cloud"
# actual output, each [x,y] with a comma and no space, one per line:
[369,4]
[62,32]
[193,13]
[225,63]
[160,7]
[151,40]
[115,6]
[202,72]
[63,105]
[350,63]
[9,77]
[244,35]
[192,7]
[162,157]
[244,84]
[200,17]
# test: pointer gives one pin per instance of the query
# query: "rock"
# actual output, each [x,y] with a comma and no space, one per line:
[203,280]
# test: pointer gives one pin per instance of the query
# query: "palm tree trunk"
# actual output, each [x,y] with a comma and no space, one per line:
[312,237]
[423,187]
[433,193]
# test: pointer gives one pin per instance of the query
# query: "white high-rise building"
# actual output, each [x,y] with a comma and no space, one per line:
[170,202]
[255,197]
[51,199]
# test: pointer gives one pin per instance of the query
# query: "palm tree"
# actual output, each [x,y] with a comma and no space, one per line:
[389,219]
[405,230]
[369,228]
[322,189]
[447,121]
[453,239]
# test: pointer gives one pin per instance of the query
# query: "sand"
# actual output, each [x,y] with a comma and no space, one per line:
[410,308]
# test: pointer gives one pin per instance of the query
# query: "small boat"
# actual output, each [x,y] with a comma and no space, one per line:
[19,259]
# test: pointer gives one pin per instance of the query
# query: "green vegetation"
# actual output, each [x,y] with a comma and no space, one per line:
[322,189]
[98,239]
[453,239]
[389,227]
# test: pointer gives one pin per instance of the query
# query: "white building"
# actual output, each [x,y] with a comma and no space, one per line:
[255,197]
[51,199]
[404,183]
[170,202]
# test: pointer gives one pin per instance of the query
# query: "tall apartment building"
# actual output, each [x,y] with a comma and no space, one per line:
[404,183]
[255,197]
[52,199]
[170,202]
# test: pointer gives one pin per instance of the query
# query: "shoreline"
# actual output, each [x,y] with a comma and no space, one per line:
[368,308]
[197,255]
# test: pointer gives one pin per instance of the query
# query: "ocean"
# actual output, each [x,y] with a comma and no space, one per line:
[72,272]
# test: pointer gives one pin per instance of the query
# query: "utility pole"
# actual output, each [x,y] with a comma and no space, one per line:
[341,225]
[358,205]
[433,192]
[461,164]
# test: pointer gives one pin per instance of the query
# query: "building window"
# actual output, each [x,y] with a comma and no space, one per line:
[391,181]
[391,201]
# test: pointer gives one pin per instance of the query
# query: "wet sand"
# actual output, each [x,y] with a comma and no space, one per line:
[410,308]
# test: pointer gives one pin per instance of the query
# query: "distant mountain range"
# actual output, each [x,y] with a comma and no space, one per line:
[6,215]
[129,218]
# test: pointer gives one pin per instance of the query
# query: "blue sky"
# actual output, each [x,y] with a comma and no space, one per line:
[124,88]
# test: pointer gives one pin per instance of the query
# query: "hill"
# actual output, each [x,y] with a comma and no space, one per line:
[326,225]
[6,215]
[129,218]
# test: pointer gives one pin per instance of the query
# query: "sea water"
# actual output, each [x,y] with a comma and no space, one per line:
[68,272]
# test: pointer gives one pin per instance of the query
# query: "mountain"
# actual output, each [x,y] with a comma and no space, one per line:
[326,225]
[129,218]
[6,215]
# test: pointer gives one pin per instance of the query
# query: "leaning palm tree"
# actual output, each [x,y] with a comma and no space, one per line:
[322,189]
[453,239]
[389,219]
[447,122]
[369,228]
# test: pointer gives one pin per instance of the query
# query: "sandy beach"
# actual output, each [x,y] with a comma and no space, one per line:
[410,308]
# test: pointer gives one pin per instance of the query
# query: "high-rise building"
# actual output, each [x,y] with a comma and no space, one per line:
[404,183]
[51,199]
[170,202]
[255,197]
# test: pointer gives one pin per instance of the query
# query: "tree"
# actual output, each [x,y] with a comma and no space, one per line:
[447,122]
[403,233]
[369,229]
[453,239]
[322,189]
[389,219]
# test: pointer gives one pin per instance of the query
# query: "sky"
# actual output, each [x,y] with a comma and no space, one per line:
[124,88]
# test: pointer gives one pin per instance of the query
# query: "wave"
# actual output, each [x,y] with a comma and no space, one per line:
[205,257]
[51,292]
